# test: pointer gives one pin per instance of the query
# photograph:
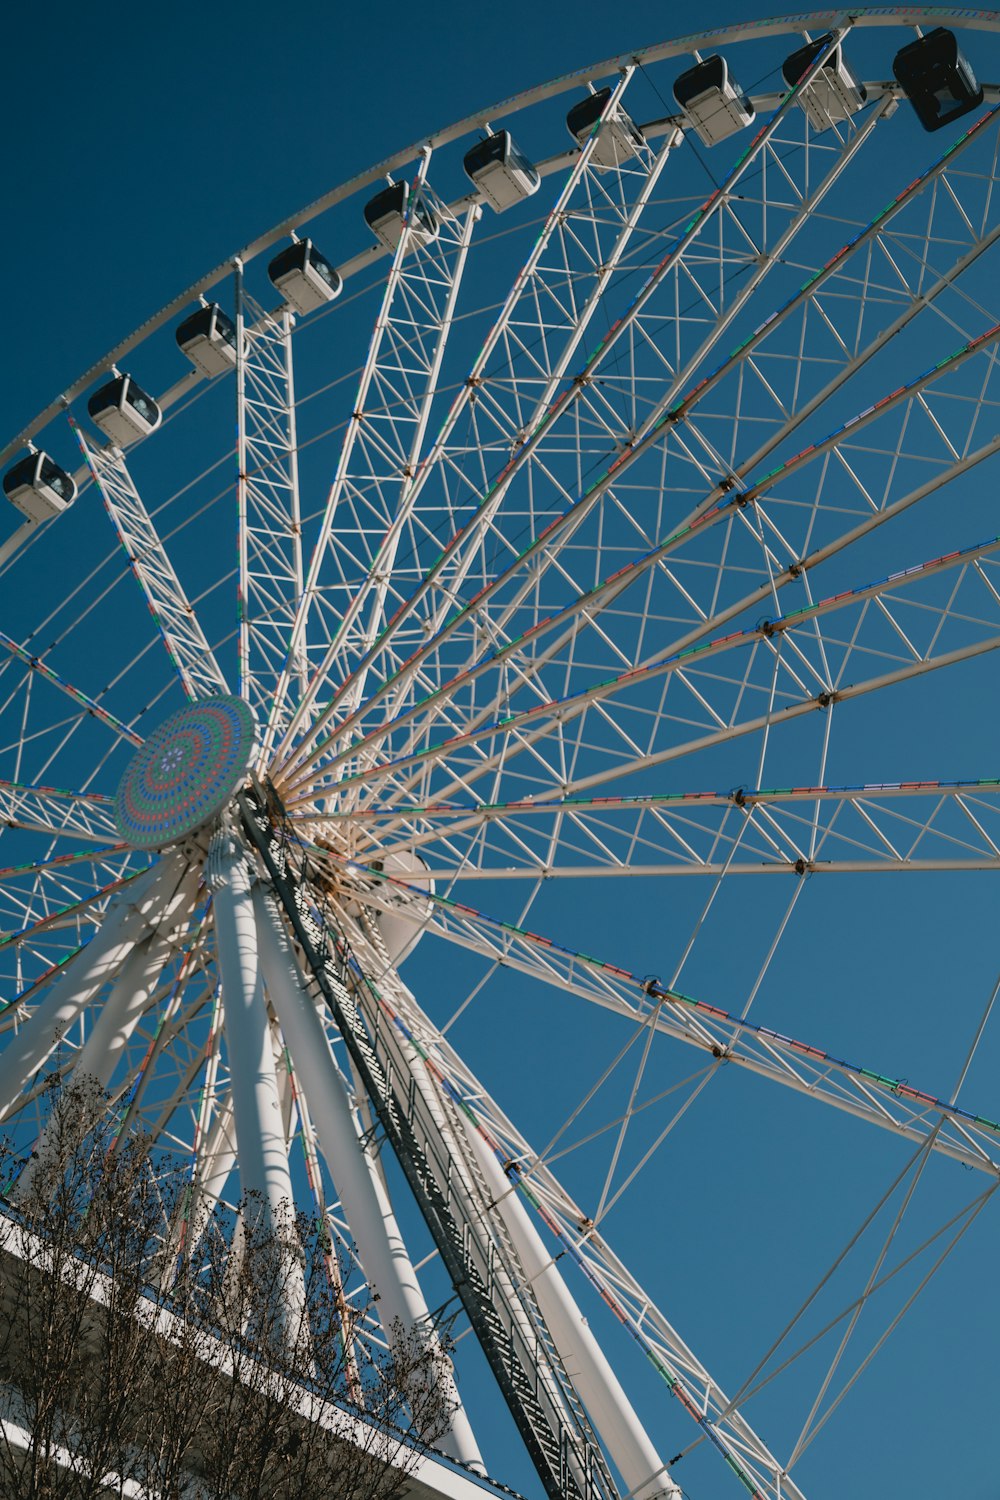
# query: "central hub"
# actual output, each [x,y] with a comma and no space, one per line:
[186,772]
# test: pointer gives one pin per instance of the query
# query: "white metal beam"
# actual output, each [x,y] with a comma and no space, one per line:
[351,1162]
[158,899]
[172,611]
[270,530]
[263,1149]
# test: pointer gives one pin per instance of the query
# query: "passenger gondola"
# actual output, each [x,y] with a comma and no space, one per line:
[208,338]
[835,93]
[39,487]
[619,136]
[123,411]
[500,171]
[304,277]
[713,102]
[385,215]
[937,79]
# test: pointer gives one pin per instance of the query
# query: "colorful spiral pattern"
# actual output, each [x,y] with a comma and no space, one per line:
[185,772]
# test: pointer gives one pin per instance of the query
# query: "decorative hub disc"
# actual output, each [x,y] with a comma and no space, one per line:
[186,772]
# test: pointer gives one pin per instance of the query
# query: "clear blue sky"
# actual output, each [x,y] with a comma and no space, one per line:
[141,146]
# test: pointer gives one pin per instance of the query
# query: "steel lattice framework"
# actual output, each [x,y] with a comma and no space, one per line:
[637,536]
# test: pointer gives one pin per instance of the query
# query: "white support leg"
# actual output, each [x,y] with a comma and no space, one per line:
[263,1150]
[645,1474]
[122,1009]
[112,1029]
[353,1167]
[260,1135]
[136,911]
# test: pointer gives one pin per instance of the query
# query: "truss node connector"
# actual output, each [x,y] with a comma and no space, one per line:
[651,984]
[795,570]
[802,866]
[739,797]
[825,699]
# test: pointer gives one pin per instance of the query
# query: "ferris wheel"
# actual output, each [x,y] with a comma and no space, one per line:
[459,795]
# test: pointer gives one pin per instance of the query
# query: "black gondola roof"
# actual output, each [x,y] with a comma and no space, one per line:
[710,73]
[23,472]
[203,321]
[37,468]
[493,148]
[922,63]
[389,200]
[587,111]
[295,256]
[798,62]
[110,395]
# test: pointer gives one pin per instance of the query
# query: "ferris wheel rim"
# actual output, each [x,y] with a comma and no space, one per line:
[867,16]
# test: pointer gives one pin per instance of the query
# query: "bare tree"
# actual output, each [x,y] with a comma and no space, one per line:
[233,1371]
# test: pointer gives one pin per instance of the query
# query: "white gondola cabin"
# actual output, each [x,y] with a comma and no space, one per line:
[39,487]
[834,94]
[123,411]
[385,215]
[619,136]
[208,338]
[502,173]
[304,277]
[937,79]
[712,101]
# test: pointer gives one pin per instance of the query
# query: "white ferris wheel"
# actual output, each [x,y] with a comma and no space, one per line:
[558,542]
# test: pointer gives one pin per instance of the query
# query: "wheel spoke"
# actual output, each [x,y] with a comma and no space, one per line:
[182,635]
[382,448]
[46,673]
[587,605]
[805,684]
[554,412]
[58,813]
[918,826]
[159,896]
[270,543]
[877,1098]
